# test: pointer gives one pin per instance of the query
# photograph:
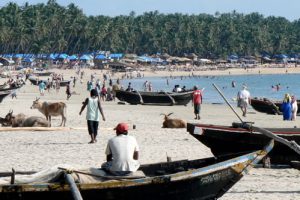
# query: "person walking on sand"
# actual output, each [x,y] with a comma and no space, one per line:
[89,85]
[68,91]
[294,108]
[197,101]
[57,85]
[122,152]
[243,99]
[74,81]
[42,86]
[93,114]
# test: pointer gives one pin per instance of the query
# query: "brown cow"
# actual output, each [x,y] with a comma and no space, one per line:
[4,122]
[51,109]
[20,120]
[15,120]
[173,123]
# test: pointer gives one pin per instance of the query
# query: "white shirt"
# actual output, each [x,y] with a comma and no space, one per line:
[294,106]
[244,94]
[178,89]
[93,113]
[122,148]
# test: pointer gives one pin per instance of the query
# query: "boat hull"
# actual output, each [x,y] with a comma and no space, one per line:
[161,191]
[35,82]
[154,98]
[269,107]
[43,73]
[3,95]
[190,180]
[224,140]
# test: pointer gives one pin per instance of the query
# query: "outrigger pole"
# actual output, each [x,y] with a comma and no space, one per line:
[292,144]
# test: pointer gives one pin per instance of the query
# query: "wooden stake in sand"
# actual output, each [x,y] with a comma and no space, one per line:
[6,129]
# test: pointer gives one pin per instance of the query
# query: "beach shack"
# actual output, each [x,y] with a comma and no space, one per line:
[120,67]
[101,61]
[86,60]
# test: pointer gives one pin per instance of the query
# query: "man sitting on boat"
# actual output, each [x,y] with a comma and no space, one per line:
[177,88]
[129,88]
[122,153]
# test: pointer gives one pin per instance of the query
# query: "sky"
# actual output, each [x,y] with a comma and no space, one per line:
[288,8]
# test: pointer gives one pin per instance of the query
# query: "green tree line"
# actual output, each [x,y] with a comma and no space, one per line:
[50,27]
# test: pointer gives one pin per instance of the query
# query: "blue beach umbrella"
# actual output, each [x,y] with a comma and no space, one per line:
[62,56]
[28,60]
[116,56]
[19,55]
[100,57]
[85,57]
[53,56]
[73,57]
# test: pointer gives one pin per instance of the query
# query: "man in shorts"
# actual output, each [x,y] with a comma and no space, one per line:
[42,87]
[197,101]
[93,114]
[243,99]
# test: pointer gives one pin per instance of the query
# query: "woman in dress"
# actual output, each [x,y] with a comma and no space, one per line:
[287,107]
[294,108]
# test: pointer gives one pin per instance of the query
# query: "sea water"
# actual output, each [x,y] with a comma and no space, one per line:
[259,85]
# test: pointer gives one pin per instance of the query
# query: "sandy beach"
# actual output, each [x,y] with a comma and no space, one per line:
[26,150]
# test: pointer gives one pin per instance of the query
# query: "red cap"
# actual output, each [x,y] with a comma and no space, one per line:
[121,127]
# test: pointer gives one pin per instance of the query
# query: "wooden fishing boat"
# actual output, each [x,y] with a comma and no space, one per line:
[198,179]
[236,140]
[11,88]
[3,86]
[265,105]
[36,81]
[4,92]
[42,73]
[155,98]
[3,95]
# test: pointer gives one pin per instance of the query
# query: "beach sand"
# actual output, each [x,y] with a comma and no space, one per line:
[27,150]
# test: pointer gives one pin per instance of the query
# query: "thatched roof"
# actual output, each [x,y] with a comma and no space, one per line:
[130,56]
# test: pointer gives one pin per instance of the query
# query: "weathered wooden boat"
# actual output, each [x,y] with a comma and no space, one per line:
[198,179]
[11,88]
[155,98]
[3,86]
[42,73]
[265,105]
[3,95]
[4,92]
[236,140]
[36,81]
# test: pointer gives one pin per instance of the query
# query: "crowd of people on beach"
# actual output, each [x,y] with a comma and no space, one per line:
[105,91]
